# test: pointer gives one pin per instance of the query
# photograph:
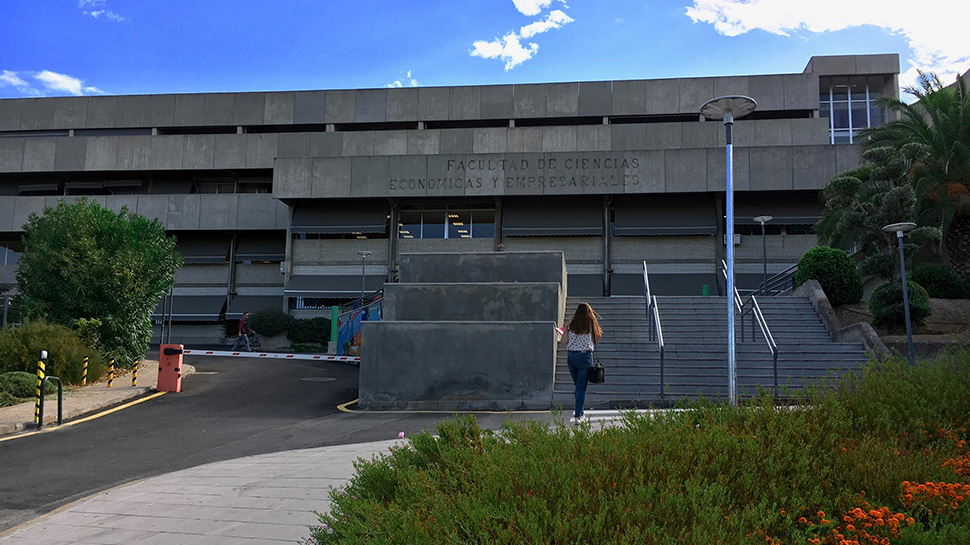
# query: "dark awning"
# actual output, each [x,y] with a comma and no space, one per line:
[192,308]
[664,215]
[785,208]
[261,247]
[331,286]
[552,216]
[213,248]
[83,185]
[252,303]
[340,217]
[38,187]
[123,183]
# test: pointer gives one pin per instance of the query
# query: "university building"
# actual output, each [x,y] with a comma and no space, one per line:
[274,196]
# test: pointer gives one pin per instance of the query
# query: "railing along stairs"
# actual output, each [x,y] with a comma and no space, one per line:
[653,317]
[780,283]
[757,317]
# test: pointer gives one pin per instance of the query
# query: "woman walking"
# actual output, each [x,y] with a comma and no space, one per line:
[580,338]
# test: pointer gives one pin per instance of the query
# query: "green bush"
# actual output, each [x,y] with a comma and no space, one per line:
[310,331]
[19,383]
[939,281]
[268,322]
[888,311]
[20,348]
[6,399]
[835,272]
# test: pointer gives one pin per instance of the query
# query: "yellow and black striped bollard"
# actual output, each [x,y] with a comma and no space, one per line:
[134,374]
[40,378]
[111,372]
[84,372]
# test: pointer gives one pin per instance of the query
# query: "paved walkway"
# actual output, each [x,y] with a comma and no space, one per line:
[269,498]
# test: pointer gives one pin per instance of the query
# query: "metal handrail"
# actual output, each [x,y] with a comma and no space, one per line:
[757,317]
[780,282]
[653,317]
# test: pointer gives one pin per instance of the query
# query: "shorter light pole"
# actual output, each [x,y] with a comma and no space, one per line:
[899,229]
[764,250]
[363,260]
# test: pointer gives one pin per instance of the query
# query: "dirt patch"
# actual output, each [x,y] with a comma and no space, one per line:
[949,321]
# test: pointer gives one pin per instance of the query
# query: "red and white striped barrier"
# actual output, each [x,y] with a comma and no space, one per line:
[273,355]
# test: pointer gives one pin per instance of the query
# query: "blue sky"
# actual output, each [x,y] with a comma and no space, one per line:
[89,47]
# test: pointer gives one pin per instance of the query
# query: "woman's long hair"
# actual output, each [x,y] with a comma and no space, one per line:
[584,321]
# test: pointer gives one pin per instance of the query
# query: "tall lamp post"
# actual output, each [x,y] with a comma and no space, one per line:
[764,250]
[727,108]
[899,229]
[363,260]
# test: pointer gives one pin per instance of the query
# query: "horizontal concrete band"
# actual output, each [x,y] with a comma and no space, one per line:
[472,302]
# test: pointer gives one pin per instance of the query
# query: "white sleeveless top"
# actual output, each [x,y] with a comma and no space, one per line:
[579,342]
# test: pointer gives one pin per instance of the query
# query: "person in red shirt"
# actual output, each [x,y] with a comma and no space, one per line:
[244,332]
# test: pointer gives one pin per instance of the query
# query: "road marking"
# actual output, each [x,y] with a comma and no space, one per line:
[343,407]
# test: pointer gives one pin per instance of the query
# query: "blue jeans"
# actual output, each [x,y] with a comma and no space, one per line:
[579,364]
[242,338]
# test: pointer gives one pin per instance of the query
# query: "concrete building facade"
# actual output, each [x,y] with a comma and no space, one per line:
[273,195]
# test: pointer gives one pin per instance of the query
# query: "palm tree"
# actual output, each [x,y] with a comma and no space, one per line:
[939,124]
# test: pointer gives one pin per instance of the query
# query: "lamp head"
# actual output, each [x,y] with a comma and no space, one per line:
[763,219]
[901,227]
[728,107]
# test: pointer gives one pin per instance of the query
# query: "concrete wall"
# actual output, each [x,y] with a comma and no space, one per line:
[483,267]
[474,302]
[438,365]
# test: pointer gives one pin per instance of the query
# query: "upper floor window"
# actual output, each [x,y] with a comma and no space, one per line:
[848,104]
[447,222]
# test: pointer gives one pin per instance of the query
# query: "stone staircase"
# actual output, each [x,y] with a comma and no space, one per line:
[695,356]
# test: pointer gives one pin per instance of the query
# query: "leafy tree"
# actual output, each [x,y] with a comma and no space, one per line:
[84,262]
[939,123]
[859,203]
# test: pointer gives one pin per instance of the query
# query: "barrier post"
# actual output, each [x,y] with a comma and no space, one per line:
[84,372]
[134,374]
[40,378]
[111,372]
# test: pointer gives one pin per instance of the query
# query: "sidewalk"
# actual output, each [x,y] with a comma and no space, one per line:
[81,401]
[269,498]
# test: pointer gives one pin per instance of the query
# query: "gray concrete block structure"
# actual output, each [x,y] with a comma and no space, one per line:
[610,173]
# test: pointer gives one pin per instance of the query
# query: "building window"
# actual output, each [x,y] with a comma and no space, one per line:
[447,222]
[848,104]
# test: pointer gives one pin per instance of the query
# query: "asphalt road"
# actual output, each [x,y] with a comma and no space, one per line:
[232,407]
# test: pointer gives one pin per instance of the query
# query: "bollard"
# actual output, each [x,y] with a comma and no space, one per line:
[40,379]
[84,372]
[111,372]
[134,374]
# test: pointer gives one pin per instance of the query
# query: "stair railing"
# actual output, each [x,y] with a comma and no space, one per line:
[757,317]
[653,319]
[780,282]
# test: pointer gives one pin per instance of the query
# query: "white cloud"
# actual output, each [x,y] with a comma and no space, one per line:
[935,32]
[408,81]
[11,78]
[555,19]
[509,48]
[45,82]
[95,12]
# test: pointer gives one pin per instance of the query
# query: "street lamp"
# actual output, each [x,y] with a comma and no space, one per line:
[764,250]
[727,108]
[363,260]
[899,229]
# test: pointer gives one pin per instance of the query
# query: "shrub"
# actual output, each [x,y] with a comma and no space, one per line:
[886,305]
[939,281]
[6,400]
[310,331]
[21,346]
[268,322]
[835,272]
[19,383]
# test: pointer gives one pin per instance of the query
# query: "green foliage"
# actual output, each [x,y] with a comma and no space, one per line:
[269,322]
[835,272]
[83,261]
[19,384]
[21,346]
[706,475]
[888,310]
[310,331]
[939,282]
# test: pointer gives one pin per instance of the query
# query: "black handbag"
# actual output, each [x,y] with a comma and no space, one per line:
[597,373]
